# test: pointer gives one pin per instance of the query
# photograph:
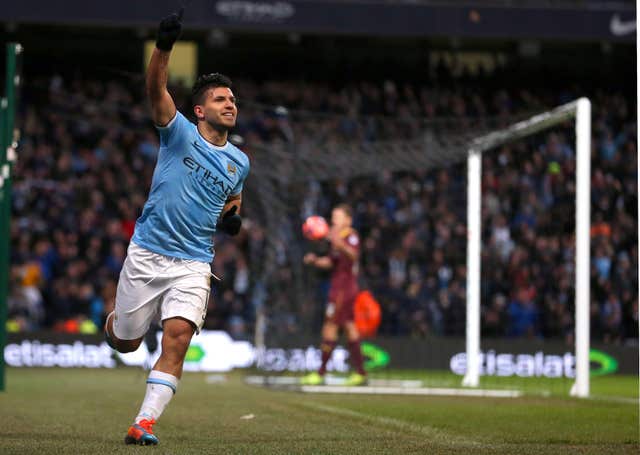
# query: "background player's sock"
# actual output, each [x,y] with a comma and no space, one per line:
[160,389]
[355,354]
[327,348]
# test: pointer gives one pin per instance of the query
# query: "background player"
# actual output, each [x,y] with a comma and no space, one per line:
[343,262]
[198,177]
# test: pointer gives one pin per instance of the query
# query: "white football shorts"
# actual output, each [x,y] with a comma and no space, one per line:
[152,284]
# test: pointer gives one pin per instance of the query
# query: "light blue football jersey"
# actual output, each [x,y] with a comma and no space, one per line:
[191,183]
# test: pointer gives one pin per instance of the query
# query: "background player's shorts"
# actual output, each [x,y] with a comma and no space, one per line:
[152,284]
[340,308]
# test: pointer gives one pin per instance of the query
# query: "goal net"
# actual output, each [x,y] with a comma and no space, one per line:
[317,161]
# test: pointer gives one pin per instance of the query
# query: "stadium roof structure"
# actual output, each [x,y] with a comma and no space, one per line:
[572,20]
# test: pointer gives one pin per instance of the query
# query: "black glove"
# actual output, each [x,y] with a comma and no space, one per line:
[169,30]
[230,222]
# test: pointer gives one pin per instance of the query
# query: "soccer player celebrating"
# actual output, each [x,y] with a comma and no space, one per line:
[343,262]
[196,190]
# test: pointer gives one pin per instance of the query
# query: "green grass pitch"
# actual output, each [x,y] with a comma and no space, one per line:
[55,411]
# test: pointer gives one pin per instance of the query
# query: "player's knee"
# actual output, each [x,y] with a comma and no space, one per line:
[122,346]
[330,330]
[353,335]
[125,346]
[352,332]
[181,341]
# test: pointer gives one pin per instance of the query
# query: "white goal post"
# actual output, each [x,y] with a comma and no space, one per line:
[581,111]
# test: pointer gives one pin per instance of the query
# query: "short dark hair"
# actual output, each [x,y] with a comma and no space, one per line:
[346,209]
[205,82]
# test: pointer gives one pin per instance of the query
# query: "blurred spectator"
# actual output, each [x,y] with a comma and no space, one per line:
[87,157]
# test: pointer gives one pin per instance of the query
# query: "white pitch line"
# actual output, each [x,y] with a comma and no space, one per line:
[395,382]
[380,387]
[331,381]
[614,399]
[434,434]
[363,390]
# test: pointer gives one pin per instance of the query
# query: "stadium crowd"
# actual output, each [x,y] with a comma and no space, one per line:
[86,159]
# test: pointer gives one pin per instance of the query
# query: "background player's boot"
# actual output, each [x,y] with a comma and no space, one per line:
[141,433]
[356,379]
[312,379]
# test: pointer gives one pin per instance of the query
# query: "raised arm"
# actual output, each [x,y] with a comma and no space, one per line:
[163,109]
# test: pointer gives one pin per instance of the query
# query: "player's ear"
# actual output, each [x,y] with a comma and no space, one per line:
[199,111]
